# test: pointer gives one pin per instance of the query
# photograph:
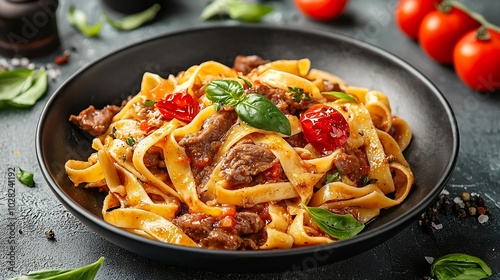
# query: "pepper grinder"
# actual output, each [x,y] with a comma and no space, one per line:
[28,28]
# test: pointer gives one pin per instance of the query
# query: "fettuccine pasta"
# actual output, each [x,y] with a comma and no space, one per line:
[183,169]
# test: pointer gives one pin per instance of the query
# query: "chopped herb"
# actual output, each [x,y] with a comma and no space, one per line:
[334,177]
[459,266]
[149,103]
[253,109]
[362,133]
[335,225]
[79,19]
[130,141]
[368,181]
[113,131]
[340,95]
[25,177]
[236,9]
[124,158]
[247,82]
[134,21]
[86,272]
[298,94]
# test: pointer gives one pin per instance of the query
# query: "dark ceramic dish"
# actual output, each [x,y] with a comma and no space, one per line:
[432,152]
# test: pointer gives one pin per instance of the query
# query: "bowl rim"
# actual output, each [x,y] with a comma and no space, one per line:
[75,208]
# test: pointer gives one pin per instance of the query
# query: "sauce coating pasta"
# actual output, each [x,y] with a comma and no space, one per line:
[180,168]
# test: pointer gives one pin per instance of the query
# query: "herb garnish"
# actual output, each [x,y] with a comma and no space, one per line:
[253,109]
[340,95]
[25,177]
[21,88]
[134,21]
[368,181]
[236,9]
[130,141]
[334,177]
[298,94]
[149,103]
[86,272]
[459,266]
[79,20]
[335,225]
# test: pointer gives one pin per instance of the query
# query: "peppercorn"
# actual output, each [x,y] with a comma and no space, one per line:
[49,234]
[465,196]
[480,201]
[446,205]
[461,213]
[481,210]
[472,211]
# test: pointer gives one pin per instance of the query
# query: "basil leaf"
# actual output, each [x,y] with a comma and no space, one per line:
[249,12]
[236,9]
[335,225]
[25,177]
[340,95]
[14,82]
[260,112]
[134,21]
[32,94]
[224,92]
[79,20]
[459,266]
[84,273]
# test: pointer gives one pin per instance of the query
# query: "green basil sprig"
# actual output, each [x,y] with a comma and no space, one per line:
[25,177]
[459,266]
[79,19]
[84,273]
[21,88]
[340,95]
[236,9]
[134,21]
[335,225]
[253,109]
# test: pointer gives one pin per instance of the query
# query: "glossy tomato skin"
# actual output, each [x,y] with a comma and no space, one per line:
[181,106]
[324,128]
[477,61]
[440,31]
[321,9]
[410,13]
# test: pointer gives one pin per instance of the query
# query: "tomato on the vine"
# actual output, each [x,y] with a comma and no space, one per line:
[476,59]
[181,106]
[410,13]
[321,9]
[441,29]
[324,128]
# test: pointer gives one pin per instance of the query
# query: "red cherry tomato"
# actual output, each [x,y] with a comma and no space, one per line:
[476,59]
[321,9]
[181,106]
[324,128]
[440,31]
[410,13]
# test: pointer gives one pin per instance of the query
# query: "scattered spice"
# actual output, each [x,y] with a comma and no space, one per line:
[62,59]
[464,206]
[49,234]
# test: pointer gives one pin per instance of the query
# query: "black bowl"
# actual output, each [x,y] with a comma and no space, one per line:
[432,152]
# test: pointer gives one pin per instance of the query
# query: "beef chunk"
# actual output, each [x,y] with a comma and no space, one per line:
[248,223]
[245,64]
[196,225]
[244,161]
[153,158]
[281,99]
[202,146]
[297,140]
[94,121]
[353,163]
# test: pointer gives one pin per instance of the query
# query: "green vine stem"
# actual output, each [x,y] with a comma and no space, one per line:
[473,14]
